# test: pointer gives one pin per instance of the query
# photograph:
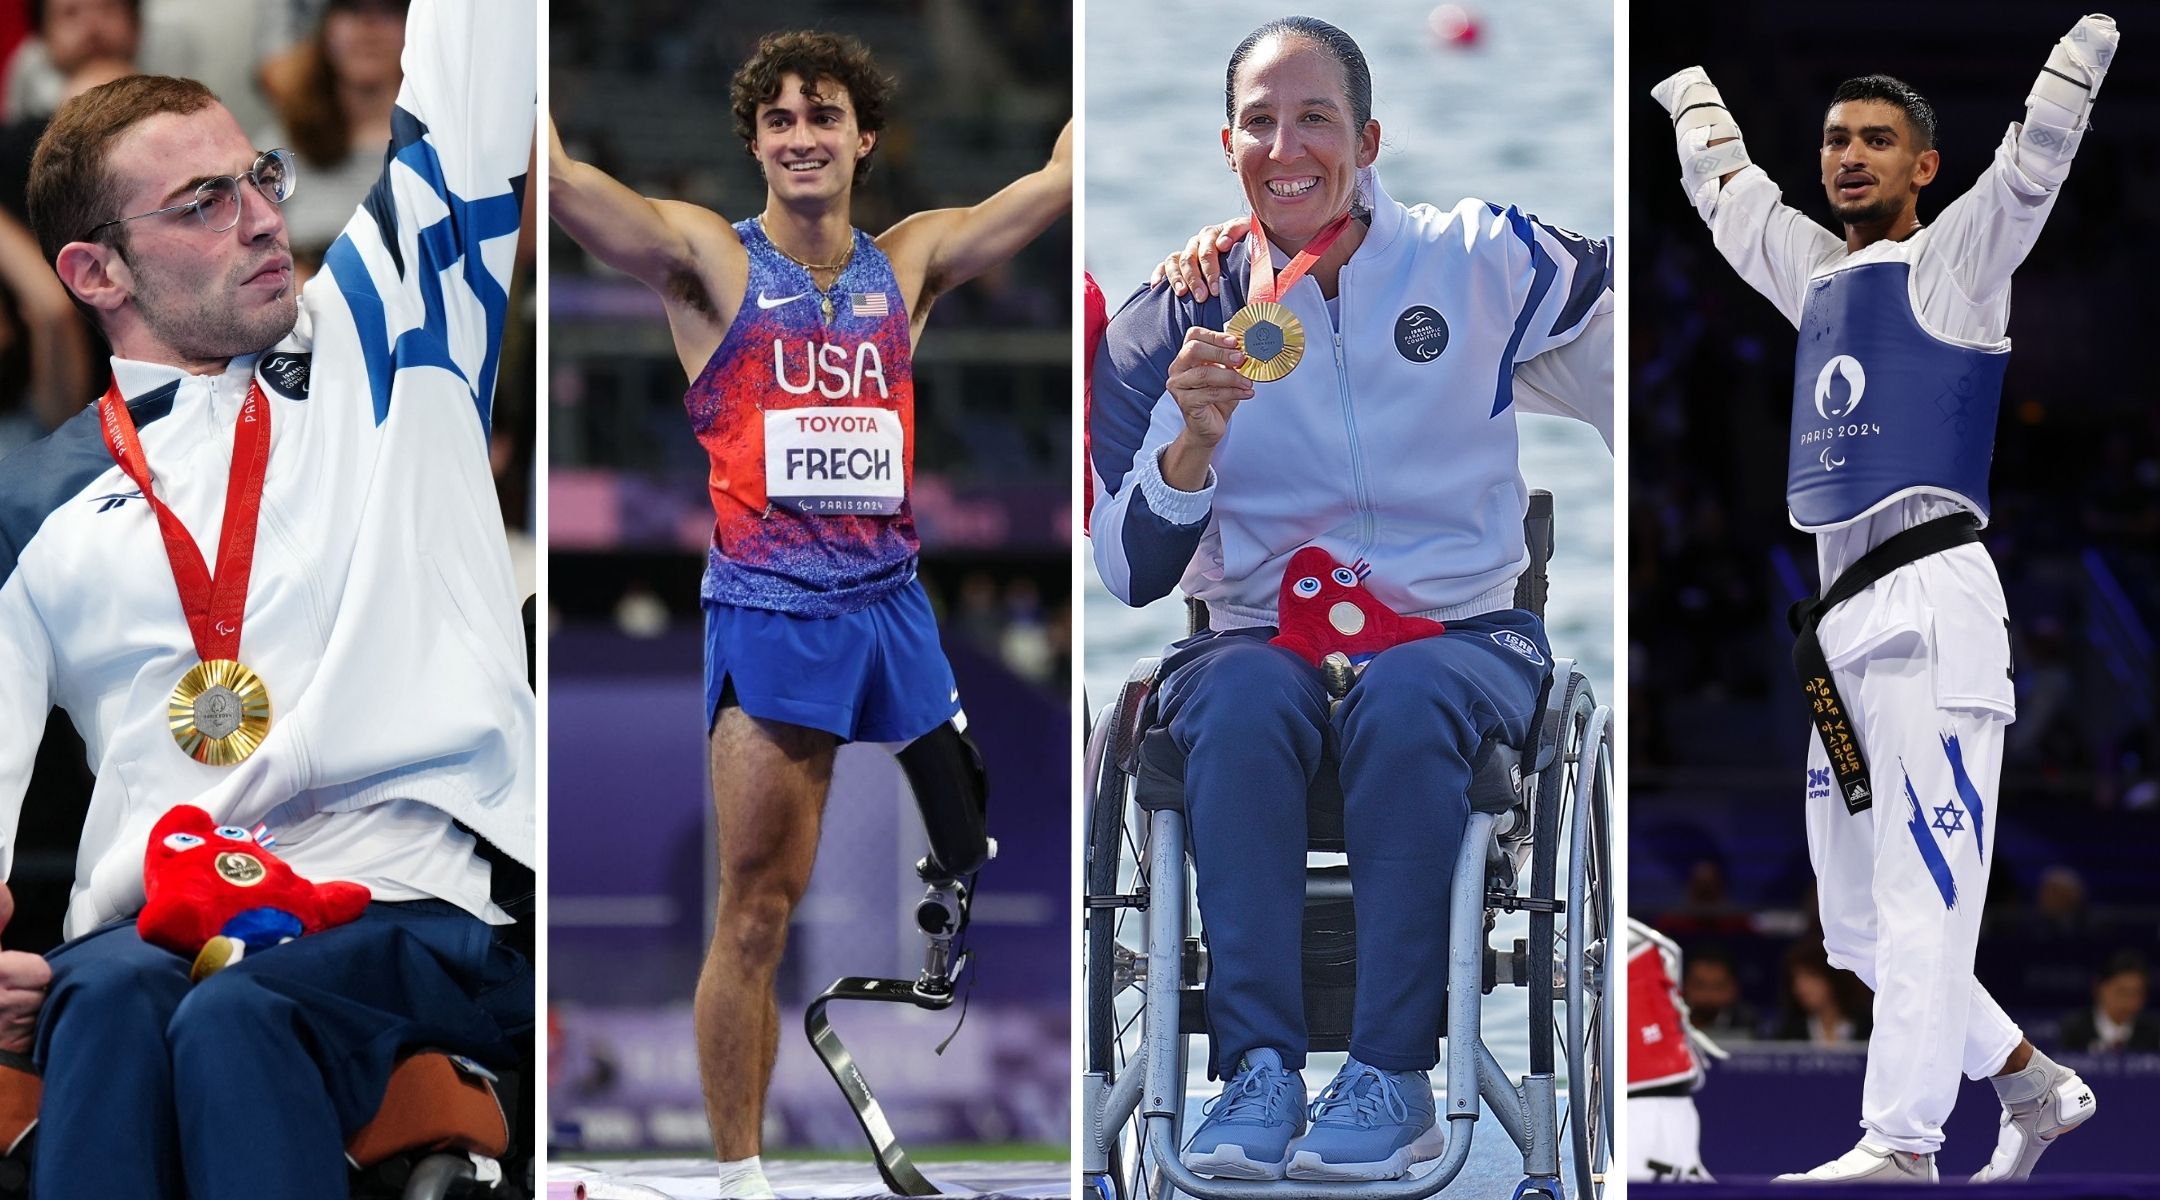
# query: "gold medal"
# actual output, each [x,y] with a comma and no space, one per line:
[219,712]
[1274,340]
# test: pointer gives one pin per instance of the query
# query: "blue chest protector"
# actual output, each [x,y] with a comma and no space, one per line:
[1881,406]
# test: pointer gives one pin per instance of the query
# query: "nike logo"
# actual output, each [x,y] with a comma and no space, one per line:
[763,302]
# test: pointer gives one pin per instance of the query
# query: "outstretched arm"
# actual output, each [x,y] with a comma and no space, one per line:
[1711,151]
[432,246]
[939,250]
[1988,230]
[652,241]
[1773,246]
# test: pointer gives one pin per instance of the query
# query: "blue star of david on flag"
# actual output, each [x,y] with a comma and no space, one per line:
[448,246]
[1949,818]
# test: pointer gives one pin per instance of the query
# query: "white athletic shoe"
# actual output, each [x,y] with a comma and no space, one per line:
[2028,1129]
[1866,1164]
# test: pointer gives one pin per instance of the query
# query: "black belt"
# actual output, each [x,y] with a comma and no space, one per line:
[1829,711]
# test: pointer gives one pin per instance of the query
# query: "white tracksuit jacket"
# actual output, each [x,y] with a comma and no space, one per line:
[381,612]
[1388,442]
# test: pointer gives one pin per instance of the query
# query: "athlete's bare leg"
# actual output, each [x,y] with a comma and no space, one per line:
[769,782]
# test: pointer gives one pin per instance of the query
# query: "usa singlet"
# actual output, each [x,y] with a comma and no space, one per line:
[807,411]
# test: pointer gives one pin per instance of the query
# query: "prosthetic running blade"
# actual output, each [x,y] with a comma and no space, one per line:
[943,917]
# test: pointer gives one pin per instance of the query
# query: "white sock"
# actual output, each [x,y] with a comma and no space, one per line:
[2023,1089]
[744,1179]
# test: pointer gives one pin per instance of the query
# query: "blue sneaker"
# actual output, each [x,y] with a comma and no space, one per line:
[1369,1124]
[1248,1128]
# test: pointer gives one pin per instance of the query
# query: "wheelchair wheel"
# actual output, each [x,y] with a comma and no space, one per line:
[1116,879]
[1589,943]
[1556,787]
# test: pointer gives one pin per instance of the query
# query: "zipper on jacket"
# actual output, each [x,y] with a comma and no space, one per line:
[1361,496]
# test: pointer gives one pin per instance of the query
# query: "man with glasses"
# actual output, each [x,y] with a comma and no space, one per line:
[266,575]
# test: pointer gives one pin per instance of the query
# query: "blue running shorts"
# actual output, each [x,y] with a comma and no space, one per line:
[876,675]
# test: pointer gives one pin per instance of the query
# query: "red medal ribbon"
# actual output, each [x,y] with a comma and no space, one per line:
[1266,288]
[214,606]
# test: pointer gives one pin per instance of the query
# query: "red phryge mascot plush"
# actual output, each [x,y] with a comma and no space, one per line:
[1325,608]
[215,892]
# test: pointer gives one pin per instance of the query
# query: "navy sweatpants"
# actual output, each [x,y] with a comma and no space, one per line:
[1253,722]
[248,1083]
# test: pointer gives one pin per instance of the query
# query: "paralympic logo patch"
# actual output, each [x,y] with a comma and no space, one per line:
[1421,334]
[287,374]
[1519,644]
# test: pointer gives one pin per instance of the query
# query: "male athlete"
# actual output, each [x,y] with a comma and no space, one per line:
[266,575]
[1905,658]
[796,331]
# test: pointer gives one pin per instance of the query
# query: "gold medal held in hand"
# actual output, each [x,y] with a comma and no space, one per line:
[1272,336]
[219,712]
[1273,339]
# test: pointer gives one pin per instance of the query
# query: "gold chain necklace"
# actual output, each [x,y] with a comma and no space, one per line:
[807,266]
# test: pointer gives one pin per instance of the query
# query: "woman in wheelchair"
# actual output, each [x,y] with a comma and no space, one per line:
[1402,452]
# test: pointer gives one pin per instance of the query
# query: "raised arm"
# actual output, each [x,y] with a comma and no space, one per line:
[1987,231]
[1773,246]
[424,266]
[655,242]
[934,252]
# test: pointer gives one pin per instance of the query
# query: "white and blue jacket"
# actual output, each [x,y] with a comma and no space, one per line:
[381,613]
[1390,442]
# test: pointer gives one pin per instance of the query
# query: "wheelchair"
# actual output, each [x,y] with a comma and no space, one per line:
[443,1130]
[1537,842]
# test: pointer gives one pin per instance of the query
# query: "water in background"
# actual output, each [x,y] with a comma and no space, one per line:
[1523,117]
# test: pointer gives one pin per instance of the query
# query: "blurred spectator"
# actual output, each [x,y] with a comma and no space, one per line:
[2058,904]
[978,619]
[334,113]
[1709,909]
[2117,1020]
[1823,1005]
[45,346]
[1711,988]
[70,34]
[215,41]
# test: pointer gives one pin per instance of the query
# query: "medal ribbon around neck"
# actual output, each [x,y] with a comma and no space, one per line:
[220,710]
[1273,337]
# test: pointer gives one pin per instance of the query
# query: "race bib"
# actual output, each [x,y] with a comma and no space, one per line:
[835,461]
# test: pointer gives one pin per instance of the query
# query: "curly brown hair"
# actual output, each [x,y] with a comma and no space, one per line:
[816,57]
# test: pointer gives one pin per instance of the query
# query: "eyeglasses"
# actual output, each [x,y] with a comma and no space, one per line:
[217,201]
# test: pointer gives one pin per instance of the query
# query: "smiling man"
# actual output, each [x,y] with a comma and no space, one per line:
[797,330]
[266,575]
[1905,657]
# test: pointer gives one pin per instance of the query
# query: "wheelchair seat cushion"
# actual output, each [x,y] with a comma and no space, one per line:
[435,1101]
